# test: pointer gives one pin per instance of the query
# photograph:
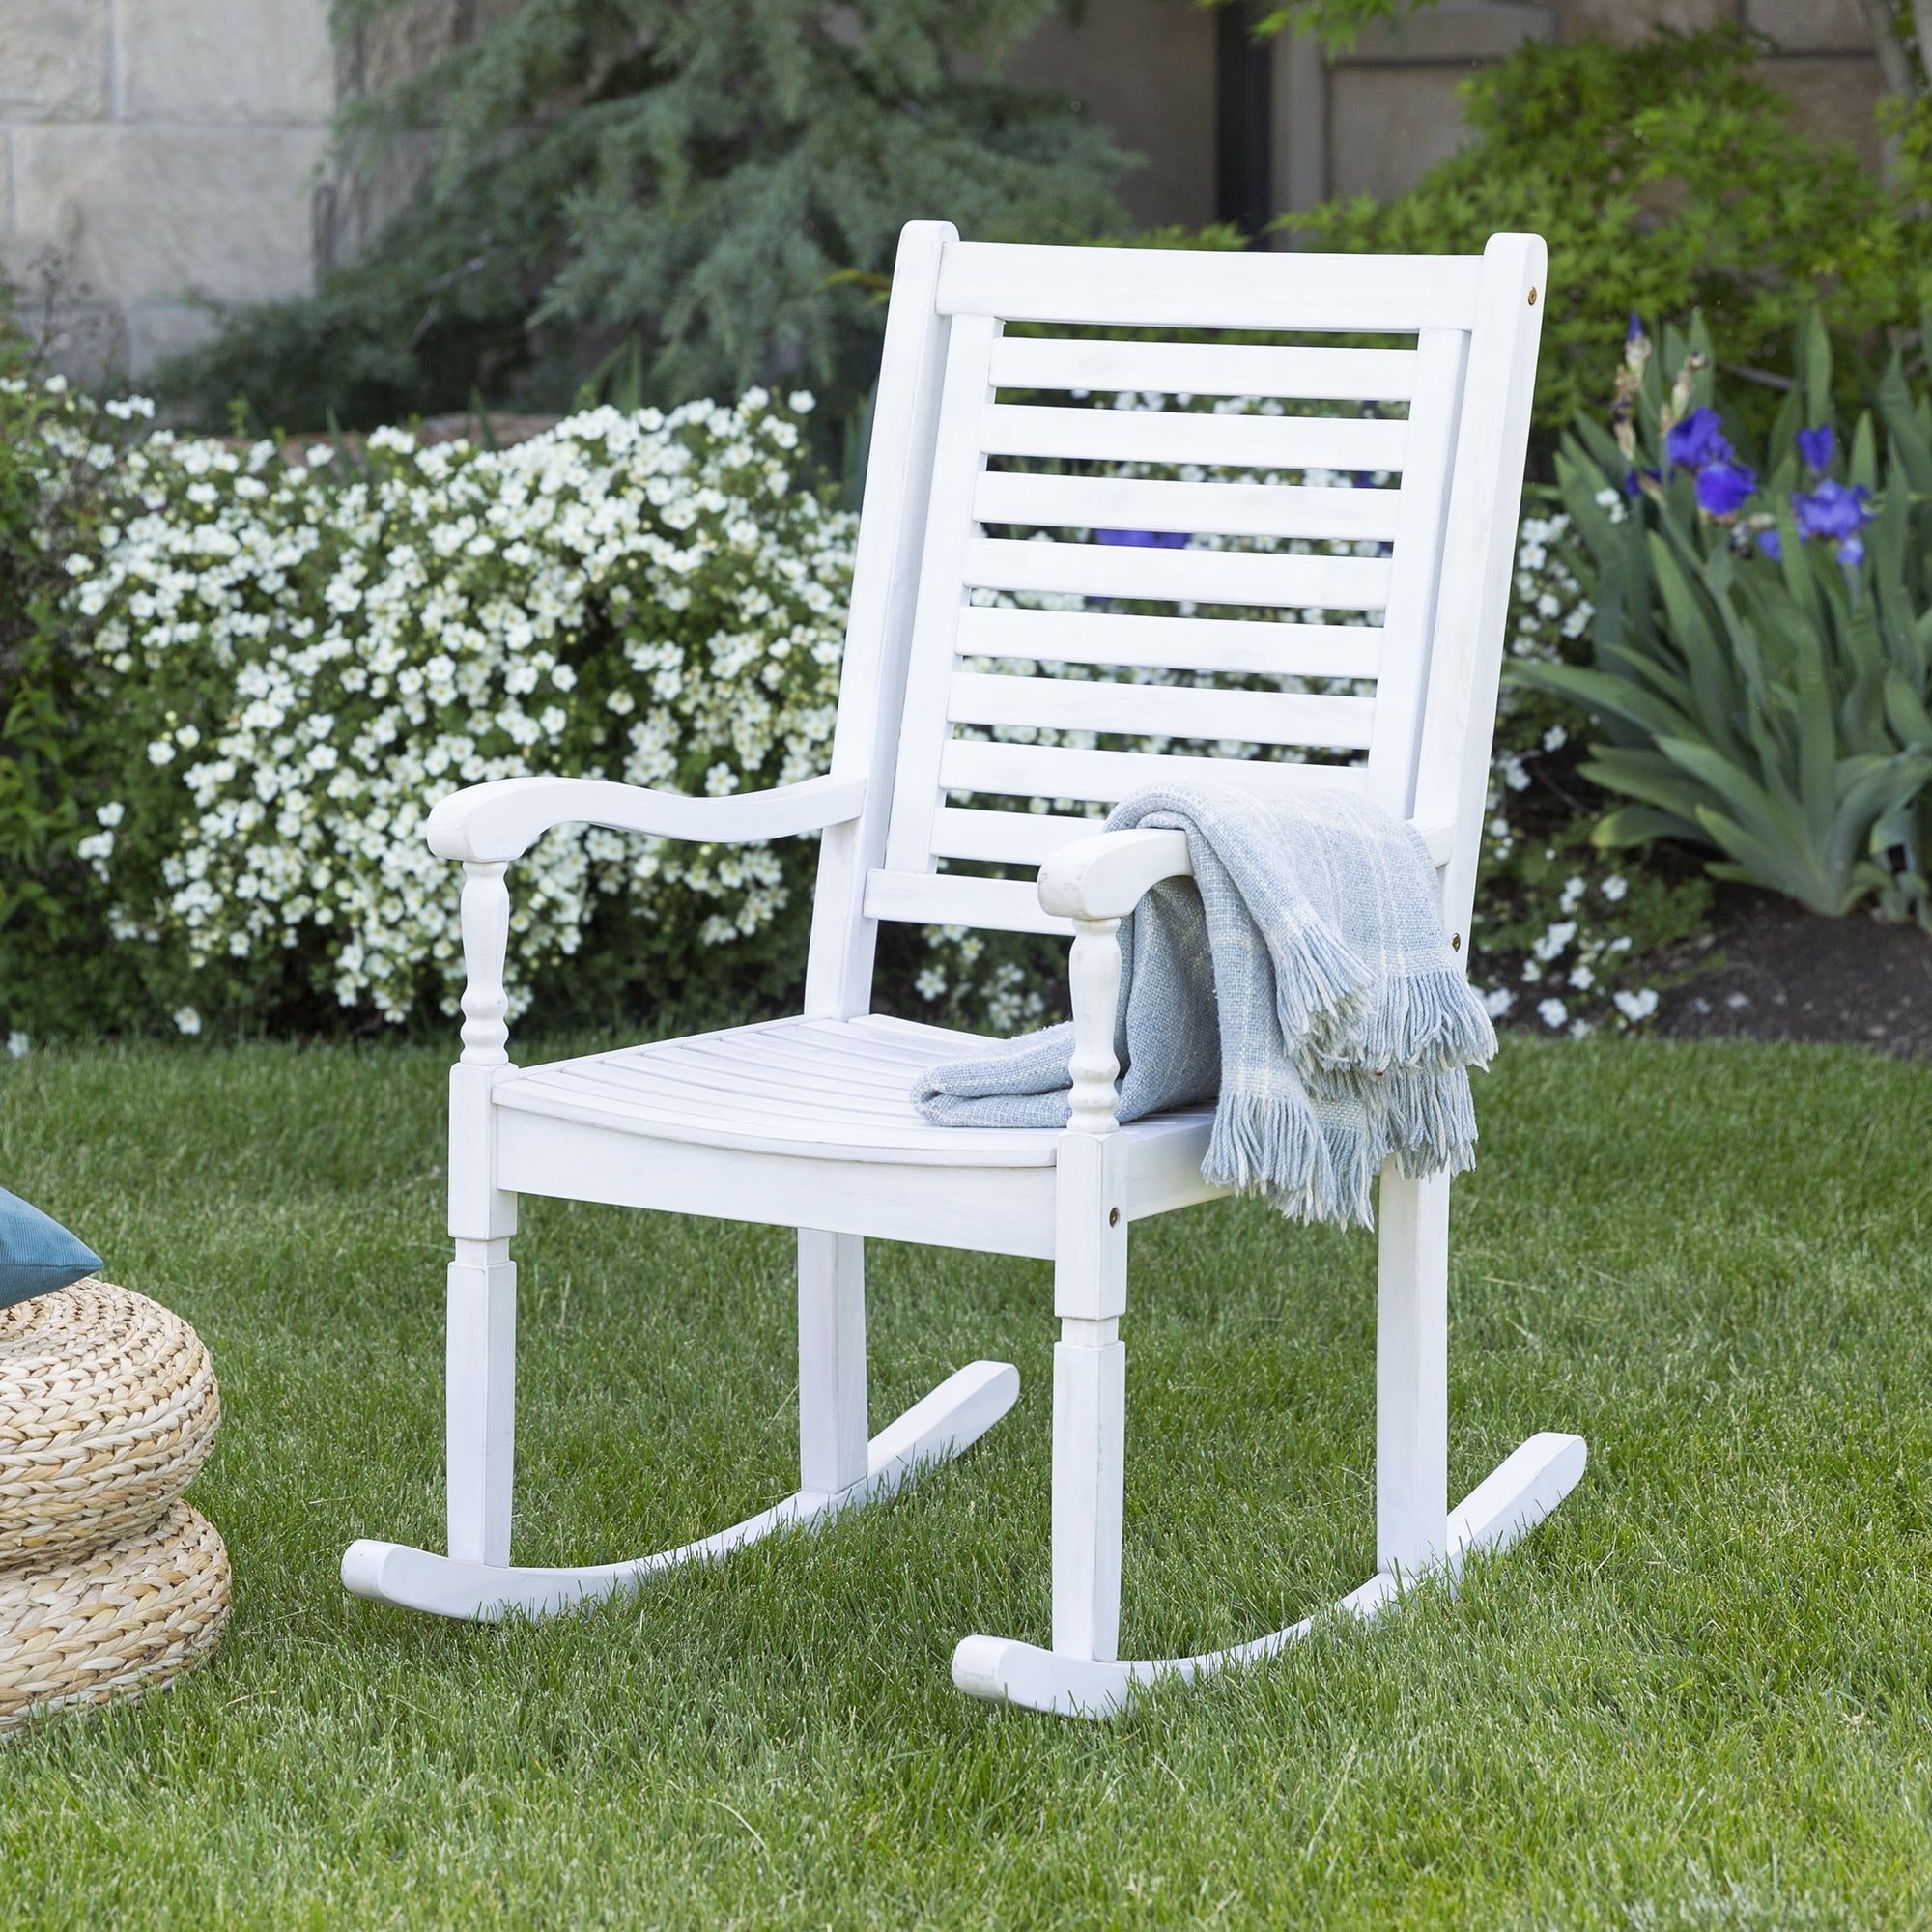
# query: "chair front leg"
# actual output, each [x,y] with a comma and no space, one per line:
[834,1436]
[481,1353]
[1089,1296]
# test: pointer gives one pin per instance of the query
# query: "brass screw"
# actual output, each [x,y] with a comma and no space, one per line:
[1456,942]
[1532,297]
[1112,1217]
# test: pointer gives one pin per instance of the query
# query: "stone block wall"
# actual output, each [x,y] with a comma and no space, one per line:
[158,155]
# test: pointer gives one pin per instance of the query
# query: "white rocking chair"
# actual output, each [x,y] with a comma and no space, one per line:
[807,1123]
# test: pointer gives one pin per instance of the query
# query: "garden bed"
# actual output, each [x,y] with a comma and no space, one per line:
[1779,972]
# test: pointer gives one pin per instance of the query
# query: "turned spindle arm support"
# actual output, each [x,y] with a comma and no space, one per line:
[1097,883]
[488,825]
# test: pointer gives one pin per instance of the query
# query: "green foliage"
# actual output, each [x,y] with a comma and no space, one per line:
[56,457]
[1762,692]
[1666,176]
[718,181]
[1336,23]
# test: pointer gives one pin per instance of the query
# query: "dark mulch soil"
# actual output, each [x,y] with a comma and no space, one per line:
[1787,974]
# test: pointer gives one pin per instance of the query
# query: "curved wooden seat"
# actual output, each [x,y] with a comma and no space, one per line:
[823,1089]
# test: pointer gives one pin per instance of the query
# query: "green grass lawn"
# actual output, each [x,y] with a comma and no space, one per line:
[1701,1695]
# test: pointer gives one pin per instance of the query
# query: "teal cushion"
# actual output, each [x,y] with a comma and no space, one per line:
[36,1255]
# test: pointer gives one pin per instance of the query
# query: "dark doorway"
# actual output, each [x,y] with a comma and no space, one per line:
[1243,121]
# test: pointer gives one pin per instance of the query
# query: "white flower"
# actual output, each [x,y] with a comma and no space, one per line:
[1636,1007]
[1498,1000]
[18,1045]
[187,1020]
[1615,887]
[1552,1012]
[1555,938]
[161,752]
[930,984]
[111,813]
[1555,738]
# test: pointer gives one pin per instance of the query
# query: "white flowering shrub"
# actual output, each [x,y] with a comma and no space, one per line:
[250,680]
[297,663]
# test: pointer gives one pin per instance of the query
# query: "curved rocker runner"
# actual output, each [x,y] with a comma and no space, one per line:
[936,1428]
[809,1122]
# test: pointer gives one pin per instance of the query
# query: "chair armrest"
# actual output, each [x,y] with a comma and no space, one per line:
[489,824]
[1107,877]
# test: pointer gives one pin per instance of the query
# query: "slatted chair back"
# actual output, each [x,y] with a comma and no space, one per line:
[1393,561]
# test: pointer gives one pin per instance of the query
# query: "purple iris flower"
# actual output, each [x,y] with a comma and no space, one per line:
[1634,333]
[1635,480]
[1833,510]
[1723,486]
[1815,446]
[1770,544]
[1143,539]
[1698,441]
[1852,551]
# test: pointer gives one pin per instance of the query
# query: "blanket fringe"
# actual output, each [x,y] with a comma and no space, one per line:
[1434,1020]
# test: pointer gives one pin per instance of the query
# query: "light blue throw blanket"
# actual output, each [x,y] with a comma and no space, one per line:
[1301,979]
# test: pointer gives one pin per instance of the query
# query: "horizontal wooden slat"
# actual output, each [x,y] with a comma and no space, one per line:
[1261,578]
[942,899]
[1057,771]
[1013,838]
[1222,509]
[1234,644]
[1363,295]
[1161,710]
[1204,369]
[1361,444]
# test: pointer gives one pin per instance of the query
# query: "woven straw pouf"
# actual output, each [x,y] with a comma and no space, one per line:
[109,1583]
[123,1618]
[108,1406]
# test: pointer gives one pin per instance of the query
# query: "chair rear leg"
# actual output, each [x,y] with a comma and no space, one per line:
[833,1431]
[1412,1374]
